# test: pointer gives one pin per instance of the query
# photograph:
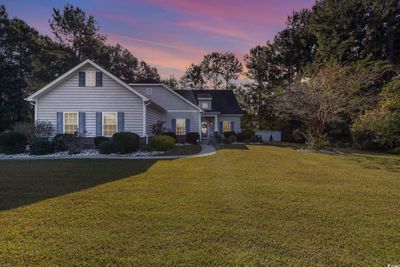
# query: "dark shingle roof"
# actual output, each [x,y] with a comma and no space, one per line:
[223,101]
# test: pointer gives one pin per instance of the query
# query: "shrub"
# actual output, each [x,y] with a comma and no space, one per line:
[158,127]
[316,142]
[162,142]
[396,150]
[26,128]
[42,129]
[217,137]
[12,142]
[231,138]
[257,139]
[227,141]
[245,135]
[192,137]
[126,142]
[75,144]
[61,141]
[106,147]
[41,147]
[147,148]
[98,140]
[172,134]
[229,133]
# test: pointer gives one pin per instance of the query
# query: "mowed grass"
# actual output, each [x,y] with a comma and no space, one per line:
[254,205]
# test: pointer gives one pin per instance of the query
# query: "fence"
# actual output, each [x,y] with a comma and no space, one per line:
[268,136]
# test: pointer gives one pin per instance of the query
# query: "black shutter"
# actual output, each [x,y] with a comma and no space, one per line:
[99,79]
[82,79]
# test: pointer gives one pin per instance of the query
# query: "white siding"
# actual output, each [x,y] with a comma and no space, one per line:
[163,97]
[235,119]
[152,116]
[68,96]
[192,116]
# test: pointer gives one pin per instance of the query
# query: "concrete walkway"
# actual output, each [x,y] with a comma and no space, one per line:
[206,150]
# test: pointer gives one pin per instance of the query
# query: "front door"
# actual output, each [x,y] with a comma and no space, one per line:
[204,129]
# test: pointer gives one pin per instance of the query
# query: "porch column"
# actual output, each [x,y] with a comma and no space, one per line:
[215,124]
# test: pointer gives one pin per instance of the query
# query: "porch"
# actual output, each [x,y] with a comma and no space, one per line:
[209,125]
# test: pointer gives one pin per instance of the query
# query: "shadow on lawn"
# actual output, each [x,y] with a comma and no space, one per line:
[389,163]
[27,182]
[234,146]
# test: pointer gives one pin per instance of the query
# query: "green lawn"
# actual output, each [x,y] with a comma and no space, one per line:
[255,205]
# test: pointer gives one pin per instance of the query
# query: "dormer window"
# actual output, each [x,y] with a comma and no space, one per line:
[204,105]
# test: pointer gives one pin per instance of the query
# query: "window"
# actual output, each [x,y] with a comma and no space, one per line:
[109,123]
[90,78]
[204,105]
[149,91]
[227,126]
[180,127]
[70,122]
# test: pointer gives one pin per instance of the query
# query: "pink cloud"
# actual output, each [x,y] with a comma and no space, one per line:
[272,11]
[170,59]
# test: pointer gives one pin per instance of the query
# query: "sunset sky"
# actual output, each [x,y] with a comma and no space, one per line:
[172,34]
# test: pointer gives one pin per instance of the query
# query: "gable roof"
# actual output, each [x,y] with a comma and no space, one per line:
[71,71]
[223,101]
[169,89]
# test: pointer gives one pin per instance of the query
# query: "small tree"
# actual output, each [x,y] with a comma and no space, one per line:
[324,97]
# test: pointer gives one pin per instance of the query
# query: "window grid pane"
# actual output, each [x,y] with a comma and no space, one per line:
[90,78]
[227,126]
[109,123]
[180,127]
[70,122]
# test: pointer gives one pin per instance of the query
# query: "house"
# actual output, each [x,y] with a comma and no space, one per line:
[91,100]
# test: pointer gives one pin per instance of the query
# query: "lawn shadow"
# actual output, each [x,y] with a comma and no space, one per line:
[26,182]
[389,163]
[234,146]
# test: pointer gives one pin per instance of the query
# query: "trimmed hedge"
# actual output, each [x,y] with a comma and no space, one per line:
[126,142]
[229,133]
[172,134]
[192,137]
[98,140]
[12,142]
[62,141]
[162,142]
[106,147]
[41,147]
[245,135]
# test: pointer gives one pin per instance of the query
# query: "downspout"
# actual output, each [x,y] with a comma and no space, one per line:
[145,104]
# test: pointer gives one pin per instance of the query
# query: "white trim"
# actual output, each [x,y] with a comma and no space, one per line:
[200,125]
[166,87]
[36,111]
[77,119]
[88,61]
[144,131]
[102,121]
